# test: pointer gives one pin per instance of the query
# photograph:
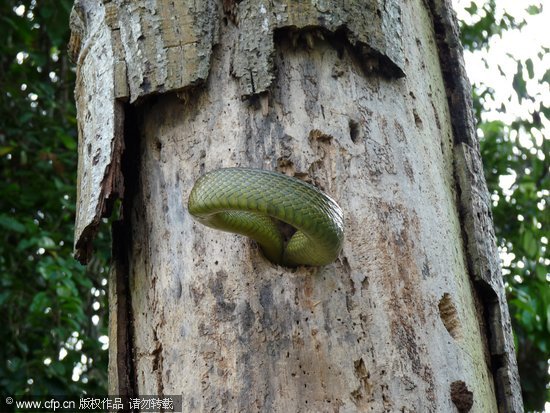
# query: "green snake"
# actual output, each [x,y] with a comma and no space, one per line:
[254,202]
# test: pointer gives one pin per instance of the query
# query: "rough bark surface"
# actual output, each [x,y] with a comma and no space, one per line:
[372,27]
[126,50]
[475,208]
[100,119]
[411,317]
[167,43]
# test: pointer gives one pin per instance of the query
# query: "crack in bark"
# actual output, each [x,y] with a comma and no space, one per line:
[157,365]
[124,353]
[122,243]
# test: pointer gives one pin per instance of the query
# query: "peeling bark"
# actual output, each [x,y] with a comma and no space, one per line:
[126,50]
[168,44]
[372,28]
[484,266]
[100,120]
[475,208]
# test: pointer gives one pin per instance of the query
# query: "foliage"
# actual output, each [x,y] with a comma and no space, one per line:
[517,167]
[48,302]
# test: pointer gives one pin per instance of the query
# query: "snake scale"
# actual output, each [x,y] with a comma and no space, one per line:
[253,202]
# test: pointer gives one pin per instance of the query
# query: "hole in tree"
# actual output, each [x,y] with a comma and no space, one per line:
[449,315]
[353,130]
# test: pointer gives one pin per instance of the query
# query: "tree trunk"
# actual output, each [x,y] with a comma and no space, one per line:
[368,101]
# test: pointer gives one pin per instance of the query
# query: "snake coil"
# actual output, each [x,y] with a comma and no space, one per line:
[250,202]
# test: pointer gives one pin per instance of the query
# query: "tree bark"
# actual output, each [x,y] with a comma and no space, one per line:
[366,100]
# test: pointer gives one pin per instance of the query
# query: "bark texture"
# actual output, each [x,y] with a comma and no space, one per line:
[100,81]
[475,208]
[373,28]
[368,101]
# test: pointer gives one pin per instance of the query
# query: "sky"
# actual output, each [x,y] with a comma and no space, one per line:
[483,67]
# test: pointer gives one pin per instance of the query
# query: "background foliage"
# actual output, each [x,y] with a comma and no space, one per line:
[54,310]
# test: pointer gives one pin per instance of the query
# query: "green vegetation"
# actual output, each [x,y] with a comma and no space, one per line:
[54,310]
[47,300]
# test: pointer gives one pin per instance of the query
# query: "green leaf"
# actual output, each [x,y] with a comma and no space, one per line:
[4,150]
[26,117]
[519,84]
[541,273]
[521,305]
[527,319]
[529,66]
[57,368]
[26,243]
[530,244]
[46,243]
[14,364]
[11,224]
[68,141]
[533,9]
[40,302]
[472,8]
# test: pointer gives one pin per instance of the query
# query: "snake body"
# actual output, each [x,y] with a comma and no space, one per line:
[250,202]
